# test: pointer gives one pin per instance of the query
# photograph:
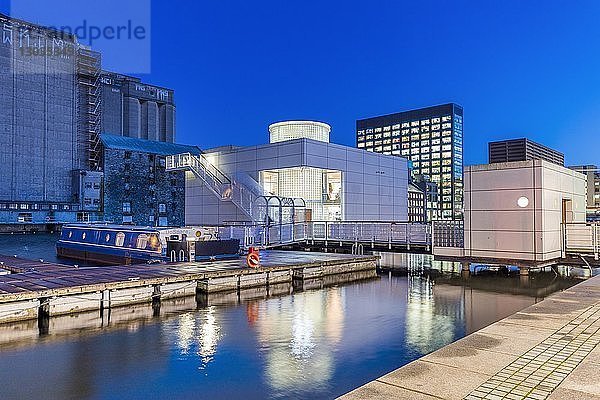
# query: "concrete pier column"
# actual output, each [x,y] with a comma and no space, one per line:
[105,302]
[524,276]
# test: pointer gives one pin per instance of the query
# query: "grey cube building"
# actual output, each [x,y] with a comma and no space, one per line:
[136,109]
[522,149]
[432,138]
[137,189]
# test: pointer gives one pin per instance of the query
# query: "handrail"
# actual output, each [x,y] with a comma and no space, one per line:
[242,190]
[355,232]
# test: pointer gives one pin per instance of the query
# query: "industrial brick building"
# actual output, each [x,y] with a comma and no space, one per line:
[137,189]
[55,101]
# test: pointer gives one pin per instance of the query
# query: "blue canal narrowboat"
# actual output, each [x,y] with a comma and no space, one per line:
[117,244]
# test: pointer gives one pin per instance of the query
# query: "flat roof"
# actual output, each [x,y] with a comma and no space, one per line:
[146,146]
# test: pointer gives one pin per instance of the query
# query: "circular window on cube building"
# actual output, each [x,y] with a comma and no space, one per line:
[523,202]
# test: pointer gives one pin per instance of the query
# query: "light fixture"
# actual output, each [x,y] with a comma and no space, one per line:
[523,202]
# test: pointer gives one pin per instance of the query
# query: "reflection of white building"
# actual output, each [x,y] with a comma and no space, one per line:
[299,335]
[336,182]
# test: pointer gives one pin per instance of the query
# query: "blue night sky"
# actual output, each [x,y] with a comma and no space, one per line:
[519,68]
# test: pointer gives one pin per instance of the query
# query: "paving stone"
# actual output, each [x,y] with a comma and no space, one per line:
[379,390]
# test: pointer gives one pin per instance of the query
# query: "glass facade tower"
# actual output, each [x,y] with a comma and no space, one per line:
[432,139]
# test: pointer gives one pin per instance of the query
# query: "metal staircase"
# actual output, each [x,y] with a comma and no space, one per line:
[216,181]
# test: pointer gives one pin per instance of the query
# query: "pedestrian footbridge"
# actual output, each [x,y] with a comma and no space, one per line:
[358,235]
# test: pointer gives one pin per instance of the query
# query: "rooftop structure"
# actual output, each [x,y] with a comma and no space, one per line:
[522,150]
[288,130]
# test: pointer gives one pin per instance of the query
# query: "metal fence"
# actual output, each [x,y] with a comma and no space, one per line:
[582,238]
[380,233]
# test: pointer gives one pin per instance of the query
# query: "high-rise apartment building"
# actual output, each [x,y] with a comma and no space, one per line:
[432,139]
[135,109]
[522,150]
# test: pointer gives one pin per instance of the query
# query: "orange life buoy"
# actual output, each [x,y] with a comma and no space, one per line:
[253,258]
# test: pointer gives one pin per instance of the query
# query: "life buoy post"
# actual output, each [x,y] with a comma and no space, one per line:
[253,258]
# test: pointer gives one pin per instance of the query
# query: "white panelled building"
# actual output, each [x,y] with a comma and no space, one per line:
[515,211]
[335,182]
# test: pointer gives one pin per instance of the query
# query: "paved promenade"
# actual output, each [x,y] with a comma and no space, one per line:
[547,351]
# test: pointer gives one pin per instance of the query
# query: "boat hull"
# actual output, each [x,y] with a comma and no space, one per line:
[107,256]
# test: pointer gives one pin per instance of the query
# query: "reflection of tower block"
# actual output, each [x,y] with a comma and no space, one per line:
[180,249]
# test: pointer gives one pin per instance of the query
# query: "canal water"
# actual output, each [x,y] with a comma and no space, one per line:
[287,342]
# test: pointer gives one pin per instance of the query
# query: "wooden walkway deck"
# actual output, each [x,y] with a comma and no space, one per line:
[35,287]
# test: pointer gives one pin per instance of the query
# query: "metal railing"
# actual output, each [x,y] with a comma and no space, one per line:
[581,238]
[366,232]
[448,234]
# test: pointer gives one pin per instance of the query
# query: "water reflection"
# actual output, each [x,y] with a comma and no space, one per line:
[196,333]
[299,346]
[429,325]
[312,339]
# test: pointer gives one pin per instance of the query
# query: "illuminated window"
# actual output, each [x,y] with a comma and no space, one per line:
[120,239]
[142,241]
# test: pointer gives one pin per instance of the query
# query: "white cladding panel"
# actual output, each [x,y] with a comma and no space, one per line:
[374,186]
[497,226]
